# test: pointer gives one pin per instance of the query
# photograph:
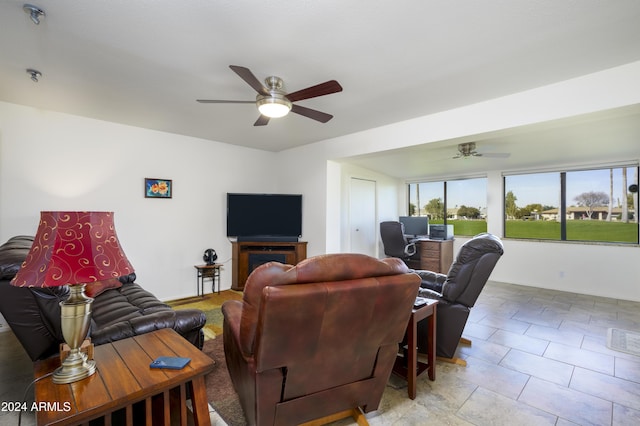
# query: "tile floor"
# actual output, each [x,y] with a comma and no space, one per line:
[539,357]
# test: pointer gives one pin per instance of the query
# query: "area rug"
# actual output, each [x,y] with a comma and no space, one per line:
[222,397]
[623,341]
[210,305]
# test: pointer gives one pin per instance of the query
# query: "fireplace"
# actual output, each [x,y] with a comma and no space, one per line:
[257,259]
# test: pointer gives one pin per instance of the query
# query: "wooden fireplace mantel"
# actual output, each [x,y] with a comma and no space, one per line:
[247,255]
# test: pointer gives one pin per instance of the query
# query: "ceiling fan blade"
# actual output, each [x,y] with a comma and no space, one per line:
[263,120]
[251,79]
[485,155]
[311,113]
[496,155]
[321,89]
[221,101]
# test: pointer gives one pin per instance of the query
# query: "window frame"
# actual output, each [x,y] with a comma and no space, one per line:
[445,195]
[563,204]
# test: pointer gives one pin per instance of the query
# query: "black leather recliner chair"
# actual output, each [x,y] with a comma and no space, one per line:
[457,292]
[396,244]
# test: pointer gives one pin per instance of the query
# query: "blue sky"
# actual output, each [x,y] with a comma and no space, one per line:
[544,188]
[468,192]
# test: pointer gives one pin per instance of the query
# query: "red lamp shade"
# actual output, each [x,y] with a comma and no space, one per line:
[73,248]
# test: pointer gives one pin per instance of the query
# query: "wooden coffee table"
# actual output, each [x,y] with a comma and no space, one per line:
[411,367]
[125,390]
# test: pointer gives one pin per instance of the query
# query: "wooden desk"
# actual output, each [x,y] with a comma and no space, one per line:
[208,271]
[410,367]
[124,389]
[435,255]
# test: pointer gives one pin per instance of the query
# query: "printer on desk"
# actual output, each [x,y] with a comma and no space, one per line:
[440,232]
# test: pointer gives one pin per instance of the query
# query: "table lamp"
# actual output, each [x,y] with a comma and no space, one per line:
[73,248]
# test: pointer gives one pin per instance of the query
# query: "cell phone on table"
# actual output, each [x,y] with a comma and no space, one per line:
[170,362]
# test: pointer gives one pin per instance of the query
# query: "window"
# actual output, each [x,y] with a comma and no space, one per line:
[461,203]
[576,205]
[531,206]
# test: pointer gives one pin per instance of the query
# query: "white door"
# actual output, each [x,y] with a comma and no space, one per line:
[362,216]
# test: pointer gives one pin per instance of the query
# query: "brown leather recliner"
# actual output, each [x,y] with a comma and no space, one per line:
[316,339]
[457,291]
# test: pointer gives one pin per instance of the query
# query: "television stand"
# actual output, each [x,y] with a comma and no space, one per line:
[248,255]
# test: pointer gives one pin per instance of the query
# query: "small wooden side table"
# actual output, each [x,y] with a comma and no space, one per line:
[208,271]
[411,367]
[124,389]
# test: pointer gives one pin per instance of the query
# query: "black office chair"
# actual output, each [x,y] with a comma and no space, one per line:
[396,244]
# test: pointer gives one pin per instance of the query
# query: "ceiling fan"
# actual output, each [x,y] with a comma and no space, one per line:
[273,102]
[468,149]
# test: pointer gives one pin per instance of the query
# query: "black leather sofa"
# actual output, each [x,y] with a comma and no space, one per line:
[119,312]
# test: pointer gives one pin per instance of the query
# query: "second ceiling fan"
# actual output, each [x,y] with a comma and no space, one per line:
[468,149]
[272,101]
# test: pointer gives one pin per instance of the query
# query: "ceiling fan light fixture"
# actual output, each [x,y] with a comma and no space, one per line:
[35,74]
[273,102]
[274,106]
[35,13]
[468,149]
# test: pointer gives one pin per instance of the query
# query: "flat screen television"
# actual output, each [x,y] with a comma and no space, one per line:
[415,225]
[264,217]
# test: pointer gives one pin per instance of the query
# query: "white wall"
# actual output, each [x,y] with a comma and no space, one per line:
[53,161]
[605,270]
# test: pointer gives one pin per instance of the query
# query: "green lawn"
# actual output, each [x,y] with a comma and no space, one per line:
[545,230]
[577,230]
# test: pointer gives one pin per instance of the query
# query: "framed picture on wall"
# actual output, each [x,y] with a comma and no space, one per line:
[158,188]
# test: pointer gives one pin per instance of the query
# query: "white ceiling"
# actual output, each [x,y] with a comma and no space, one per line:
[145,62]
[603,138]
